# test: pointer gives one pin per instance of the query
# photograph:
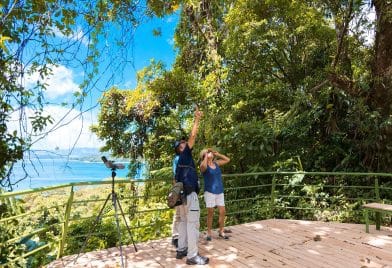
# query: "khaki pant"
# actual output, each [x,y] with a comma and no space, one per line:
[188,227]
[176,221]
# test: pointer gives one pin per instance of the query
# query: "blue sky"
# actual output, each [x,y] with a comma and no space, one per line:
[144,47]
[65,80]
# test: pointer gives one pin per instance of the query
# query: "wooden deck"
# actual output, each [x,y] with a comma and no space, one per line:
[268,243]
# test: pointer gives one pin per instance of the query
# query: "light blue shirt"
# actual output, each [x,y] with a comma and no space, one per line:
[175,162]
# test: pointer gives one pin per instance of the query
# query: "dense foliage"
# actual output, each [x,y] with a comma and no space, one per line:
[281,83]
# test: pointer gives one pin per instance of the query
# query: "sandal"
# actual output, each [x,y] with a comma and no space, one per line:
[225,237]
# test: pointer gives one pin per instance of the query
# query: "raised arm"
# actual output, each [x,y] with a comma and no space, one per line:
[195,128]
[222,159]
[203,164]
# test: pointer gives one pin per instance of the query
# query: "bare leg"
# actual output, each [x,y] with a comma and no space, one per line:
[210,216]
[222,212]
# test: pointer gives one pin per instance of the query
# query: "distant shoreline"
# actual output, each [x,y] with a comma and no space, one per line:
[50,172]
[90,154]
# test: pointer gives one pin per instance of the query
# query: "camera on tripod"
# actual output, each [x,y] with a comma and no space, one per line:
[111,164]
[117,209]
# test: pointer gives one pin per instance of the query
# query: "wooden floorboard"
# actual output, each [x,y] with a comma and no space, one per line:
[268,243]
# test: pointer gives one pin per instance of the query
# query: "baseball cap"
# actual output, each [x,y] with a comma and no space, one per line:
[177,143]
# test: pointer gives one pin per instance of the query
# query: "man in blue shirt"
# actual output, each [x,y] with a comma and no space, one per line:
[188,227]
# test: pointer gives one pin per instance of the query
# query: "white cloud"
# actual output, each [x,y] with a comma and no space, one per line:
[170,41]
[74,132]
[59,83]
[77,36]
[129,84]
[172,18]
[70,129]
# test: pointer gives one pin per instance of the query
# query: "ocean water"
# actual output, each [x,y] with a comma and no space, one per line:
[49,172]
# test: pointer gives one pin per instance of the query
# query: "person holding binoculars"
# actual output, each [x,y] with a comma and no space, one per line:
[210,164]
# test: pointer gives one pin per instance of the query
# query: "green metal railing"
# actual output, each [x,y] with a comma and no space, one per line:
[248,197]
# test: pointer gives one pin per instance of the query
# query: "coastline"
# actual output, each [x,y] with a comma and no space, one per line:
[51,172]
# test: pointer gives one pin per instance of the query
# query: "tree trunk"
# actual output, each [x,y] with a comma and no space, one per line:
[381,90]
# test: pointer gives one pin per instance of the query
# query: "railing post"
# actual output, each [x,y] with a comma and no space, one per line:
[65,224]
[11,201]
[377,195]
[273,197]
[377,189]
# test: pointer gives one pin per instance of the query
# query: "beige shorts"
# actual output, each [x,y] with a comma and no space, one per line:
[213,200]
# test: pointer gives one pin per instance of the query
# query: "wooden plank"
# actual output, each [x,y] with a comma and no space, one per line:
[222,251]
[162,252]
[349,245]
[268,243]
[346,233]
[292,247]
[283,244]
[340,255]
[247,254]
[378,206]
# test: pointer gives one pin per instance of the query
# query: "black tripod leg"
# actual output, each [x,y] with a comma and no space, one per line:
[93,229]
[115,201]
[126,224]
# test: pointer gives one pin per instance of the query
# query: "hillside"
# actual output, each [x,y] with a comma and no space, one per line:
[82,154]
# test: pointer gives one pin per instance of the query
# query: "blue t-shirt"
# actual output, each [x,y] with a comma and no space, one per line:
[213,180]
[186,171]
[175,162]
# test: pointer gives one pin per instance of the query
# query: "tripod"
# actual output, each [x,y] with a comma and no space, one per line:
[115,202]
